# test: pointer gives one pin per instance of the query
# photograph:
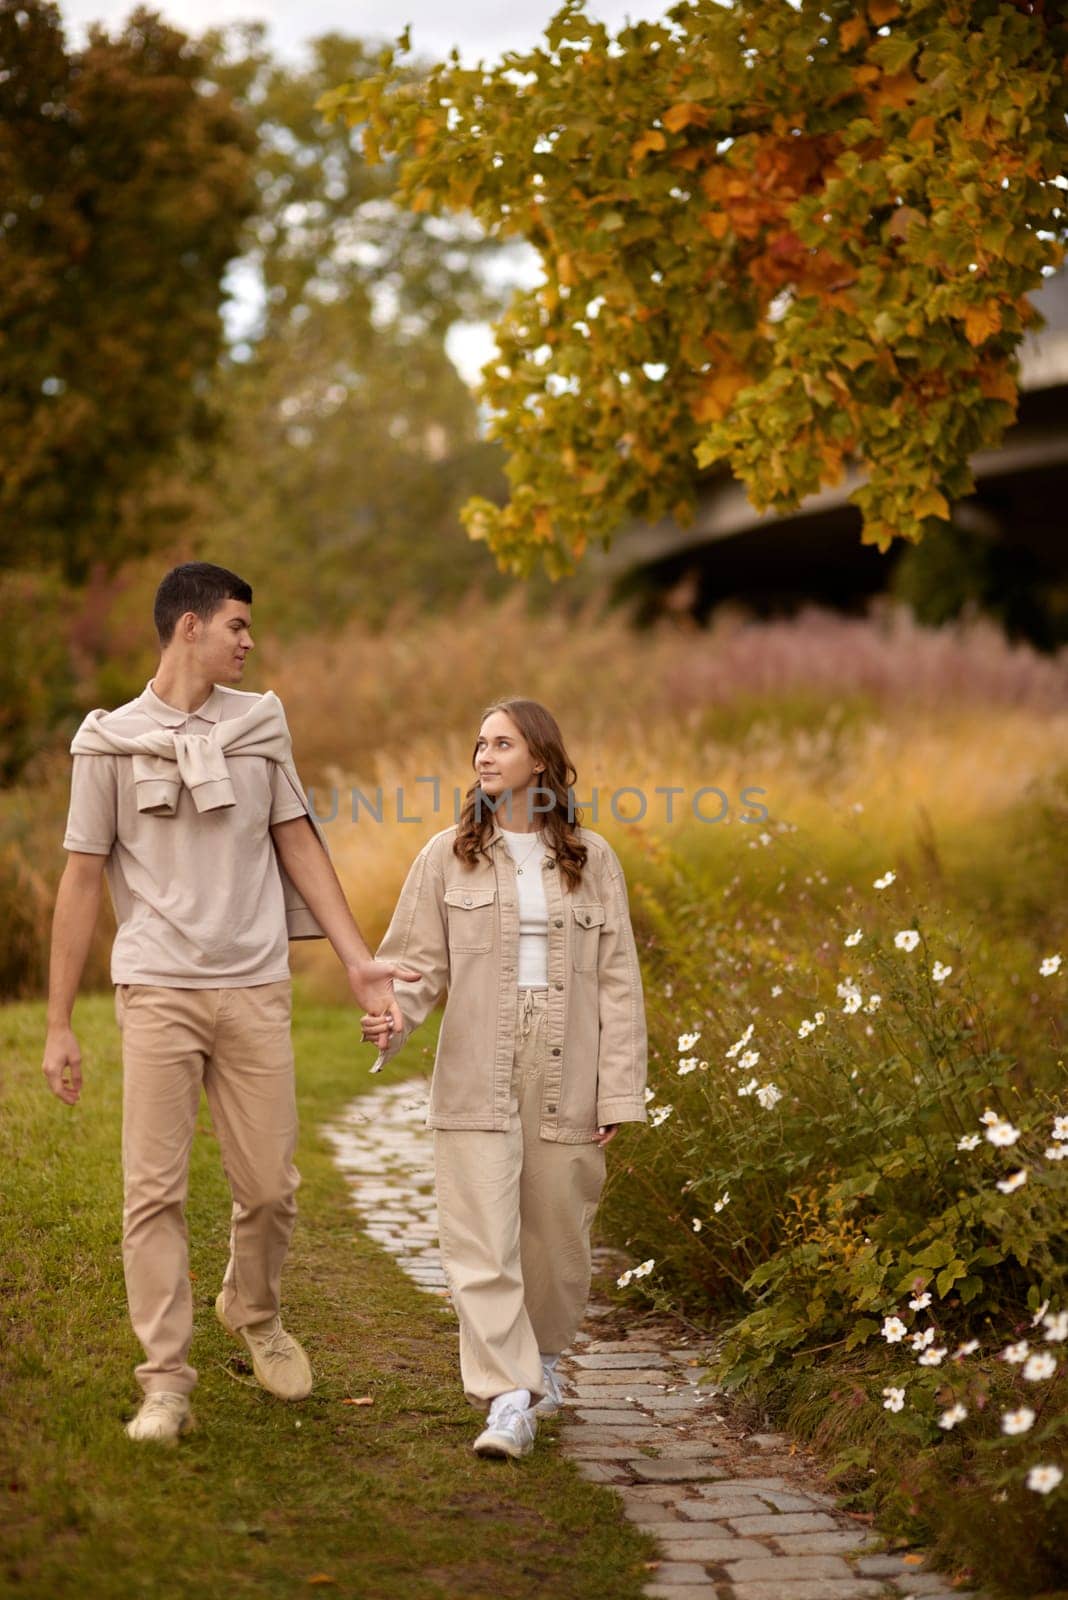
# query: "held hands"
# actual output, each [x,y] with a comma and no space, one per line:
[62,1065]
[606,1134]
[372,988]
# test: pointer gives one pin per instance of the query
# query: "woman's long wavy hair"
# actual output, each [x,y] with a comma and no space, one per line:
[542,734]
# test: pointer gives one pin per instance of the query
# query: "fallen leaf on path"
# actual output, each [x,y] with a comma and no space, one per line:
[320,1577]
[364,1400]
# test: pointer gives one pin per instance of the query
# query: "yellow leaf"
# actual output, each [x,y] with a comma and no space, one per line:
[712,403]
[652,140]
[851,32]
[982,321]
[565,271]
[922,130]
[931,503]
[594,482]
[862,76]
[543,526]
[881,11]
[681,115]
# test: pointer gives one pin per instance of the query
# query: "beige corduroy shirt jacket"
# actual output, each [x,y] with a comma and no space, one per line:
[458,926]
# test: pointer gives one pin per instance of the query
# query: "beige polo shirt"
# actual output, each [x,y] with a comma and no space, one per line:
[197,895]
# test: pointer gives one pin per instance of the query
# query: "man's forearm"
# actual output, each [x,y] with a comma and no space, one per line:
[313,875]
[73,921]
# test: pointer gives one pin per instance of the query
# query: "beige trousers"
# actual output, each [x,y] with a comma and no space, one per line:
[514,1216]
[236,1043]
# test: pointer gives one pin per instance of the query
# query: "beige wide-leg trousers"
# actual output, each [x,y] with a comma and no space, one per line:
[236,1043]
[514,1216]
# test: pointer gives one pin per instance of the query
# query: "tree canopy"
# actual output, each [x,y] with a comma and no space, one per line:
[789,237]
[125,183]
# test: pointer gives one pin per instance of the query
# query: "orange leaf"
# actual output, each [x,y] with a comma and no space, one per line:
[717,223]
[998,385]
[364,1400]
[681,115]
[565,271]
[712,403]
[852,32]
[320,1577]
[922,129]
[982,321]
[543,526]
[931,503]
[912,1560]
[881,11]
[652,140]
[862,76]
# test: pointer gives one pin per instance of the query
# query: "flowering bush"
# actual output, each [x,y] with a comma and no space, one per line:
[865,1172]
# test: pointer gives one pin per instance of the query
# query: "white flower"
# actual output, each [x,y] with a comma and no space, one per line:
[1040,1366]
[724,1200]
[932,1358]
[989,1117]
[970,1141]
[624,1278]
[650,1094]
[921,1339]
[805,1029]
[644,1270]
[921,1301]
[1057,1152]
[660,1114]
[697,1224]
[963,1350]
[740,1044]
[687,1064]
[747,1062]
[1014,1181]
[776,990]
[895,1399]
[1039,1314]
[1060,1127]
[908,939]
[1043,1479]
[1002,1133]
[939,973]
[769,1096]
[1017,1421]
[1015,1353]
[885,881]
[687,1041]
[854,938]
[1049,966]
[950,1418]
[874,1002]
[1056,1326]
[894,1330]
[819,1019]
[852,1002]
[747,1088]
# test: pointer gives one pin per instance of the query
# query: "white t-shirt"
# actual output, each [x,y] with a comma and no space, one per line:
[526,850]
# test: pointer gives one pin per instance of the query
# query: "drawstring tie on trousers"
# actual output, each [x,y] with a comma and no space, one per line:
[526,1016]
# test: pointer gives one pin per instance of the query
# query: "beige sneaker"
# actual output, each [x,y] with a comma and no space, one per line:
[278,1361]
[163,1418]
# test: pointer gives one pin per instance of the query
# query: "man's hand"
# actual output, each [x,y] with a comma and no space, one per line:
[371,983]
[606,1134]
[377,1030]
[62,1065]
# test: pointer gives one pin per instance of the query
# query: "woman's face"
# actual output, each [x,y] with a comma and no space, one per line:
[503,760]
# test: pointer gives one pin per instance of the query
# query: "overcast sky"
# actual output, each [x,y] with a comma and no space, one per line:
[482,29]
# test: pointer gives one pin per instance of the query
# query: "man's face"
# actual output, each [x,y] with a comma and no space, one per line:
[223,642]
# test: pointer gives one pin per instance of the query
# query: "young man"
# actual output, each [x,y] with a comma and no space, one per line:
[189,798]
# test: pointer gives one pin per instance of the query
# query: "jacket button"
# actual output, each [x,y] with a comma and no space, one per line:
[558,986]
[555,1050]
[467,899]
[558,922]
[550,1109]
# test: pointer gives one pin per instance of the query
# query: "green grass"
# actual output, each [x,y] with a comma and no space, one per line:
[263,1499]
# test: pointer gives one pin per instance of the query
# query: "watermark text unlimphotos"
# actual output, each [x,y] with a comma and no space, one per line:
[665,802]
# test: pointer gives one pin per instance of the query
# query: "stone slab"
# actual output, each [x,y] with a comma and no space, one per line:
[615,1419]
[650,1375]
[718,1550]
[806,1589]
[883,1566]
[785,1569]
[721,1509]
[780,1522]
[673,1572]
[676,1470]
[613,1360]
[682,1591]
[824,1544]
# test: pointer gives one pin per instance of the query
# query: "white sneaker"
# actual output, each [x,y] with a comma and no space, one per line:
[510,1427]
[278,1361]
[552,1396]
[163,1418]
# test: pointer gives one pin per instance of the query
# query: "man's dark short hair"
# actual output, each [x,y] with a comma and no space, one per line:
[195,586]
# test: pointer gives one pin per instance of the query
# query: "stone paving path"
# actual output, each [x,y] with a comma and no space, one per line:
[737,1516]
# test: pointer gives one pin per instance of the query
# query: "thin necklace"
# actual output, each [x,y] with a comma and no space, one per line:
[526,858]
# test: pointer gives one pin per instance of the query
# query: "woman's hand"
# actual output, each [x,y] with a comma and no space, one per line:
[607,1134]
[377,1030]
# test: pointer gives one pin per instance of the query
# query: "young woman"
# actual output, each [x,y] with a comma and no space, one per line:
[522,916]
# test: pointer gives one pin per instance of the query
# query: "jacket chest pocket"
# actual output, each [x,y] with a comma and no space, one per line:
[472,918]
[587,922]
